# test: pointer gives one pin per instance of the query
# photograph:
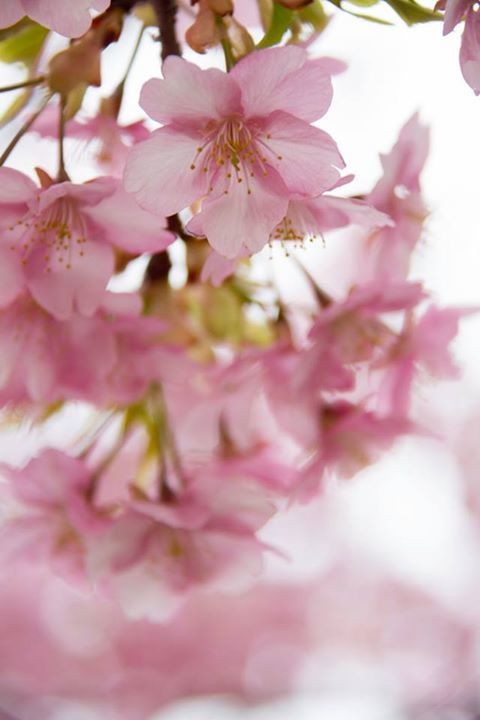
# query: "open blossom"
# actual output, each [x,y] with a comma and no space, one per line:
[58,241]
[153,556]
[306,218]
[455,12]
[48,515]
[423,344]
[350,332]
[71,19]
[46,360]
[240,141]
[111,356]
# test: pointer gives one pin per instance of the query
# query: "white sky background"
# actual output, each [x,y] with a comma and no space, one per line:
[405,513]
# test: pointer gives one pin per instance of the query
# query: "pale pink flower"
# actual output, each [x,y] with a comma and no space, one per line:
[142,357]
[204,536]
[48,514]
[111,356]
[241,141]
[217,268]
[425,345]
[351,332]
[212,400]
[387,252]
[46,360]
[455,12]
[112,140]
[71,19]
[306,218]
[351,439]
[309,217]
[62,238]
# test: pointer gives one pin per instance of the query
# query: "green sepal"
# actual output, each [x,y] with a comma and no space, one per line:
[280,23]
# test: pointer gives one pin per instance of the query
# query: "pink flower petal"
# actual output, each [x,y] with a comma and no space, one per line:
[80,287]
[305,157]
[11,12]
[240,220]
[275,79]
[158,172]
[67,18]
[470,51]
[216,268]
[261,73]
[15,187]
[454,11]
[11,276]
[126,225]
[188,94]
[89,193]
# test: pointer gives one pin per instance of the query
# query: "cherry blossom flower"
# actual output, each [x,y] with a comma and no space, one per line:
[46,360]
[423,344]
[352,331]
[61,239]
[242,142]
[159,548]
[386,253]
[50,515]
[112,356]
[71,20]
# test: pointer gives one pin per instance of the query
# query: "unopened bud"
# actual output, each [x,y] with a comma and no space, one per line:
[240,39]
[79,64]
[204,33]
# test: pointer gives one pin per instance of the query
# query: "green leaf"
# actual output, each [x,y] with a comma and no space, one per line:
[412,13]
[23,46]
[314,15]
[281,20]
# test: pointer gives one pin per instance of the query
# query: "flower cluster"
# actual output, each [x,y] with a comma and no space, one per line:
[213,405]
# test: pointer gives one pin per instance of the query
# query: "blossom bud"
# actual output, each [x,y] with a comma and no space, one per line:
[240,39]
[204,32]
[79,64]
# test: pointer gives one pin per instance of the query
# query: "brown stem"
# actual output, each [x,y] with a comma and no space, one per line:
[166,11]
[159,264]
[62,175]
[23,84]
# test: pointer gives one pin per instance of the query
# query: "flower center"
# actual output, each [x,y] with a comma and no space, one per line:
[234,149]
[60,231]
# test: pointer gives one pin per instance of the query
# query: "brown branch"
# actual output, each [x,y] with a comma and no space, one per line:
[166,11]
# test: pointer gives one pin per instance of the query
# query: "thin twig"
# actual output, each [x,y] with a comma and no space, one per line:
[24,84]
[132,59]
[24,129]
[62,175]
